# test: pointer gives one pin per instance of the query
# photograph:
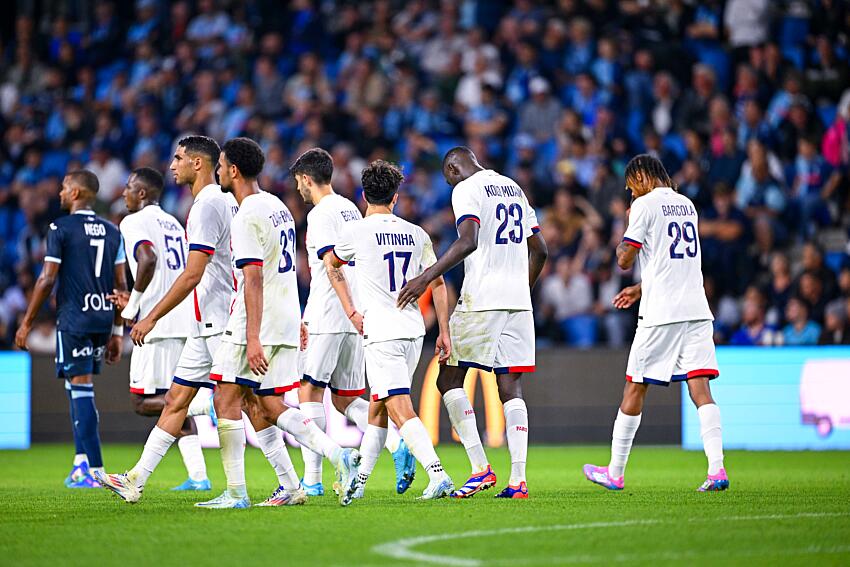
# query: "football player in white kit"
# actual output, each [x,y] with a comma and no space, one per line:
[673,341]
[492,327]
[208,278]
[388,250]
[155,243]
[259,348]
[334,354]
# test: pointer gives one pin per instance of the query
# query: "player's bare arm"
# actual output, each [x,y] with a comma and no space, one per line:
[113,346]
[146,267]
[183,285]
[336,275]
[43,286]
[443,348]
[465,245]
[254,318]
[626,255]
[537,255]
[627,297]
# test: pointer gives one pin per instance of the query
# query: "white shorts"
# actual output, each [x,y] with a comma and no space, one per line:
[672,353]
[390,366]
[498,341]
[231,365]
[335,360]
[152,365]
[193,368]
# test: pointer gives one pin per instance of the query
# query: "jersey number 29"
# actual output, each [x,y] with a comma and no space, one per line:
[687,232]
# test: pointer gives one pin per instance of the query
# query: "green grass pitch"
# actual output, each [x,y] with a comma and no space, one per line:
[782,508]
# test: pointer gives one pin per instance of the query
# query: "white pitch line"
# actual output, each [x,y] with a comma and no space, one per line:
[403,548]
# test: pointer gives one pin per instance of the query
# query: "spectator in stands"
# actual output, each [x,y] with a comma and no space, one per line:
[754,330]
[836,330]
[800,330]
[566,297]
[724,235]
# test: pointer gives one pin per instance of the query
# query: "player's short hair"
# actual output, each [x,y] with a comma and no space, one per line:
[85,179]
[246,155]
[381,180]
[315,162]
[457,152]
[151,179]
[203,145]
[649,167]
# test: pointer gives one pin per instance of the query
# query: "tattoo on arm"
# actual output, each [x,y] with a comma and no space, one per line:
[336,274]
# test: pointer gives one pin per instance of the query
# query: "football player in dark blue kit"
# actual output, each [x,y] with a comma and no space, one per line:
[86,255]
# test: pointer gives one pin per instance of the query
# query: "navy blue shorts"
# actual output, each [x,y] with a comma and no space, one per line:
[78,354]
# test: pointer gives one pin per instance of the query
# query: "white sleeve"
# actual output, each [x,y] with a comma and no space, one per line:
[134,236]
[466,203]
[428,256]
[344,247]
[532,225]
[639,221]
[203,228]
[245,242]
[323,233]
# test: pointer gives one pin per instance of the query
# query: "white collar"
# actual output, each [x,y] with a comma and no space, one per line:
[206,189]
[83,212]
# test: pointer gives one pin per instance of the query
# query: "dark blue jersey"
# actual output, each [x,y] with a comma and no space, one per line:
[87,248]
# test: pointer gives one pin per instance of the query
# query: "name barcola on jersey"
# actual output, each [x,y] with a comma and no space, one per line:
[678,211]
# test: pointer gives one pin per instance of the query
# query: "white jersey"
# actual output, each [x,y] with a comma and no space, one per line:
[208,231]
[324,313]
[664,225]
[263,234]
[496,274]
[388,251]
[154,227]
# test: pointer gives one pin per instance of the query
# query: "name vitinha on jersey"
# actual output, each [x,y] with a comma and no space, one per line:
[678,210]
[502,191]
[394,239]
[280,217]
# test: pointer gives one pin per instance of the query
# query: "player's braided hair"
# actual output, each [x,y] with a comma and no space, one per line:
[203,145]
[315,162]
[246,155]
[650,169]
[380,180]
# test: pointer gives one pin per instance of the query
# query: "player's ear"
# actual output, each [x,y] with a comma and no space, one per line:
[395,199]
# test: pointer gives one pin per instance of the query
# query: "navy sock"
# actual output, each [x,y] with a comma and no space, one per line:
[78,444]
[85,417]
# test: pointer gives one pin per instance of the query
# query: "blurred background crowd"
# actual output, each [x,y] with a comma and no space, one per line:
[746,102]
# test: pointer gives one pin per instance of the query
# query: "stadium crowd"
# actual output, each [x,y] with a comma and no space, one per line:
[745,101]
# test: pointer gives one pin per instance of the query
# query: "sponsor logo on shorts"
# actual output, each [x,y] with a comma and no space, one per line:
[85,351]
[522,428]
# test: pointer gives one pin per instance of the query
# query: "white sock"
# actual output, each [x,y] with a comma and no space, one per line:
[516,427]
[712,436]
[313,460]
[231,436]
[462,417]
[416,437]
[193,456]
[271,442]
[80,458]
[307,433]
[625,427]
[358,413]
[370,448]
[200,405]
[155,448]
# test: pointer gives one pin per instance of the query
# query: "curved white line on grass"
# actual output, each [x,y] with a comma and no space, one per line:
[403,548]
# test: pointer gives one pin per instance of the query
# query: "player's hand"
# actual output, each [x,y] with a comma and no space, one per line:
[357,320]
[443,349]
[627,297]
[141,329]
[411,291]
[113,349]
[119,298]
[305,337]
[257,357]
[22,334]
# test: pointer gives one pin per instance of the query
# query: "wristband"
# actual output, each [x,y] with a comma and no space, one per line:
[117,330]
[132,308]
[352,314]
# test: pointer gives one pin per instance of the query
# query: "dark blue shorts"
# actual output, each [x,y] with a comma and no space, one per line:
[78,354]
